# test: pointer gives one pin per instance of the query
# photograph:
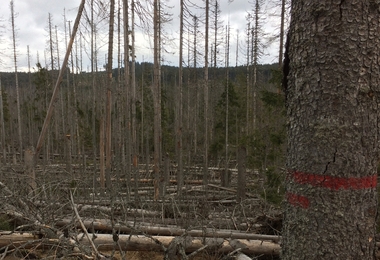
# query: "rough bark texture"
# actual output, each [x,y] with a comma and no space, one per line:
[333,130]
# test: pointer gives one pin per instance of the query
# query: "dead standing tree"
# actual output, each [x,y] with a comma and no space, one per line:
[16,78]
[57,85]
[109,95]
[156,99]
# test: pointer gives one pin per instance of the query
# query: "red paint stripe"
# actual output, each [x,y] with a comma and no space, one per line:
[297,200]
[335,183]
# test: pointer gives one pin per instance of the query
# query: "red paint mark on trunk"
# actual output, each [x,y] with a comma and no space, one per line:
[329,182]
[297,200]
[334,183]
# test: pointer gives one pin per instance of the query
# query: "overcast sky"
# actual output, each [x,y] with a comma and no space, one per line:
[32,30]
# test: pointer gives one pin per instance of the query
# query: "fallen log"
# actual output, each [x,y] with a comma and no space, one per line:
[231,190]
[106,242]
[242,256]
[147,180]
[132,228]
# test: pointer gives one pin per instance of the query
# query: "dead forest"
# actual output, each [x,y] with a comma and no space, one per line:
[143,160]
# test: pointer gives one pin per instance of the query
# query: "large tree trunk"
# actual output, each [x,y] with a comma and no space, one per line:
[332,92]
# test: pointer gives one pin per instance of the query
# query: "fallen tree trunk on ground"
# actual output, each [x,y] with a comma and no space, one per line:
[132,228]
[220,245]
[106,242]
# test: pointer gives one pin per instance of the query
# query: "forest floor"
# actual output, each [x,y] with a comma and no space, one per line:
[67,198]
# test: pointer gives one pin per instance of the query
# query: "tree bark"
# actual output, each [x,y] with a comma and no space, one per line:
[332,100]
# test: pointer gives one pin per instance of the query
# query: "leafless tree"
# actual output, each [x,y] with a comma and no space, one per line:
[57,85]
[19,128]
[179,140]
[109,95]
[156,97]
[206,96]
[2,122]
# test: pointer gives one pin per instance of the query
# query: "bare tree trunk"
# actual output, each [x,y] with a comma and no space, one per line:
[29,168]
[134,98]
[2,122]
[51,44]
[30,112]
[216,22]
[195,84]
[57,85]
[109,97]
[101,154]
[156,99]
[68,154]
[74,125]
[206,101]
[237,48]
[119,98]
[68,150]
[282,34]
[241,157]
[16,79]
[248,90]
[226,171]
[127,86]
[179,150]
[75,86]
[93,77]
[256,52]
[61,99]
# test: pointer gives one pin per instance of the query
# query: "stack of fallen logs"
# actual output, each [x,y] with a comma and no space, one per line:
[91,238]
[181,242]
